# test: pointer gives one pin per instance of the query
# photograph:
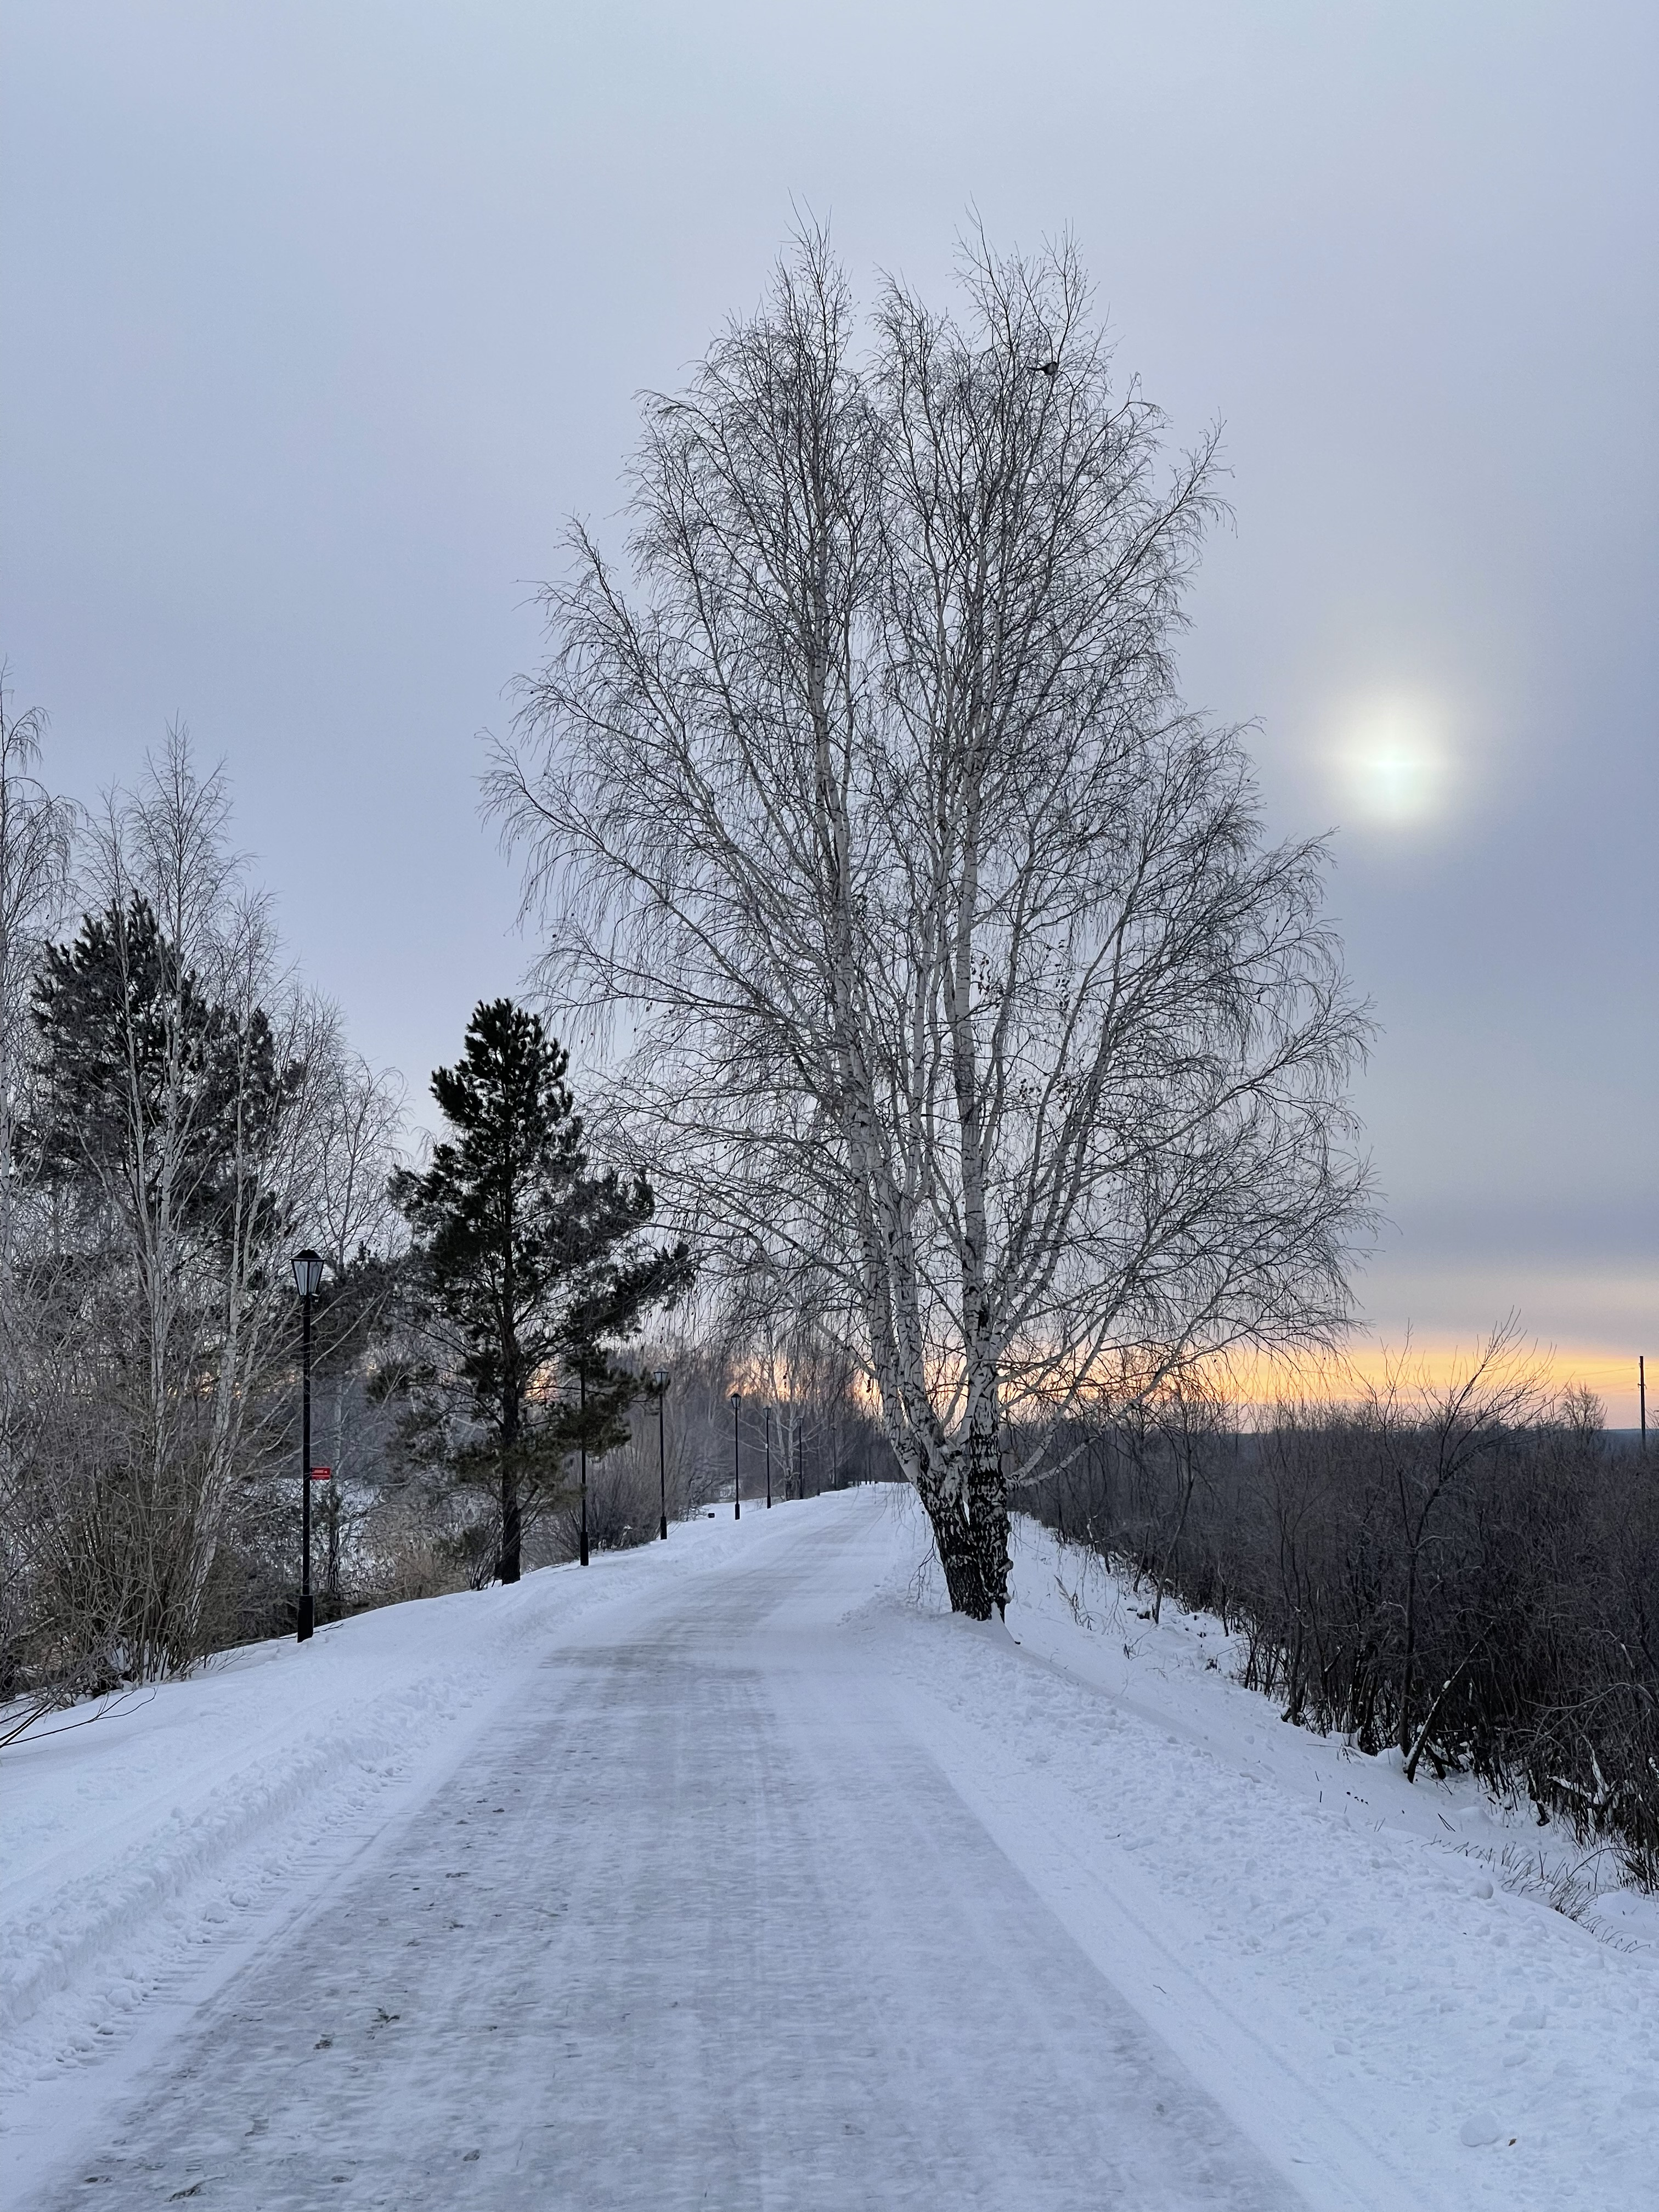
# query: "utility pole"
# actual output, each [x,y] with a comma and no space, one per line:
[768,1459]
[737,1485]
[1642,1397]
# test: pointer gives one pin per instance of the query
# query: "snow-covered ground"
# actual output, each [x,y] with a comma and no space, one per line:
[734,1872]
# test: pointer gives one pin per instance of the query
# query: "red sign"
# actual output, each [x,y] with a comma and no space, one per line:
[321,1474]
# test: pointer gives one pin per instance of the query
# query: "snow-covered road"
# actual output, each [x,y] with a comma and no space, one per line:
[741,1881]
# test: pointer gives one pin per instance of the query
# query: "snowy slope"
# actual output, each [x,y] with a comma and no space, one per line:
[1343,1951]
[1285,1952]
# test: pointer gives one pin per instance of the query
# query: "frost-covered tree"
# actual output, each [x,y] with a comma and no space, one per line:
[36,836]
[178,1110]
[945,944]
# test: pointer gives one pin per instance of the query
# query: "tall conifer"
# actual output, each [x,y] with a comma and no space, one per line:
[534,1264]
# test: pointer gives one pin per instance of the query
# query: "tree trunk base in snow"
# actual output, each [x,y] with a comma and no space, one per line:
[508,1565]
[973,1550]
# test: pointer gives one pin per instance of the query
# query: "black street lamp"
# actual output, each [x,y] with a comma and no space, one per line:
[581,1404]
[768,1459]
[660,1378]
[307,1275]
[737,1488]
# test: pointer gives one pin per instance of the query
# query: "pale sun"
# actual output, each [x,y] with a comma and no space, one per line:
[1392,763]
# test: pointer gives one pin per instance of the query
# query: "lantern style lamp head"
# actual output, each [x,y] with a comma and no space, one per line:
[659,1376]
[737,1397]
[308,1272]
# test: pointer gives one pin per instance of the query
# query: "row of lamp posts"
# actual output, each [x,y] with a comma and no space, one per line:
[736,1478]
[307,1280]
[660,1379]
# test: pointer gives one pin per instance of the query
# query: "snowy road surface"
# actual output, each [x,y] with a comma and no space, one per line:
[735,1879]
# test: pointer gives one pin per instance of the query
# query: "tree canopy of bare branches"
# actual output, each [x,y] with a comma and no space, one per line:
[943,944]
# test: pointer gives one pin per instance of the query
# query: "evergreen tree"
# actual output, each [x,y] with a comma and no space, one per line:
[535,1265]
[144,1075]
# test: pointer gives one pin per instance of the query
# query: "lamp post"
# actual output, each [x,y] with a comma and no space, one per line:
[768,1459]
[737,1489]
[660,1378]
[307,1274]
[581,1406]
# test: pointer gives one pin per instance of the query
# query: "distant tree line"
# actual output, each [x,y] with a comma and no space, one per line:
[1467,1577]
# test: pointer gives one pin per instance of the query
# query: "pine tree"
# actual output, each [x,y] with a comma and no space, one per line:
[143,1074]
[535,1265]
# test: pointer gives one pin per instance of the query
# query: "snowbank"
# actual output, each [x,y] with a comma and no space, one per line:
[1368,1972]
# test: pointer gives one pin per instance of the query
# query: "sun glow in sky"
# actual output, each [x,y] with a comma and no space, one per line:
[1393,763]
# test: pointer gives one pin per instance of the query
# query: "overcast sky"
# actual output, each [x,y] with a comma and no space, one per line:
[321,319]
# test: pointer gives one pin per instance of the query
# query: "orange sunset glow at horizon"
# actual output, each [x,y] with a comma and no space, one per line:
[1434,1364]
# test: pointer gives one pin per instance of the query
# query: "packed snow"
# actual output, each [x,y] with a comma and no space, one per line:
[734,1871]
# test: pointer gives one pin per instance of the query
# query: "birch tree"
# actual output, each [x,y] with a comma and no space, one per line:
[36,840]
[36,836]
[939,945]
[355,1227]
